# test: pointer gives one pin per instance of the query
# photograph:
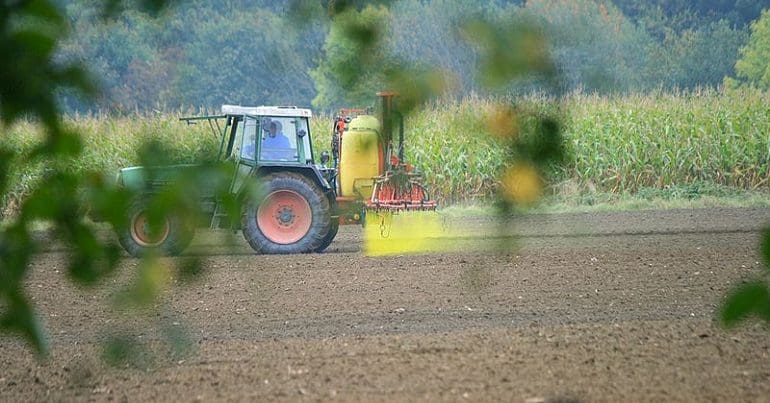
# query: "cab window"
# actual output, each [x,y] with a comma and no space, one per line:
[249,139]
[304,139]
[278,140]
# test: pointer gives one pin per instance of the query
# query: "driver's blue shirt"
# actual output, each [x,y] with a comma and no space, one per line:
[279,141]
[277,147]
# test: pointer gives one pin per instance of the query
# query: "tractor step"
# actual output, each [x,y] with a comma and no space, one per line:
[216,218]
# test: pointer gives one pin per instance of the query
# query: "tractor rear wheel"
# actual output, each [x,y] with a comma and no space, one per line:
[137,237]
[334,226]
[293,217]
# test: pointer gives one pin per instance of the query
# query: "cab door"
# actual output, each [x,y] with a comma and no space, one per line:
[244,152]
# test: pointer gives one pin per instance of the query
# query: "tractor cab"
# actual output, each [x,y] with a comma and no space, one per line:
[265,135]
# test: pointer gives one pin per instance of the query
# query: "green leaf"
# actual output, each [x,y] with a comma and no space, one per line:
[146,289]
[110,205]
[77,77]
[126,351]
[15,254]
[746,300]
[90,260]
[153,7]
[36,42]
[45,10]
[178,339]
[20,318]
[59,187]
[509,51]
[548,145]
[190,269]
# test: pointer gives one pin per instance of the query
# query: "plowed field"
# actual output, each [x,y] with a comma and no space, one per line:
[587,307]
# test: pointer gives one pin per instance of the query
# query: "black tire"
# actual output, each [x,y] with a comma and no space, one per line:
[334,226]
[136,239]
[293,217]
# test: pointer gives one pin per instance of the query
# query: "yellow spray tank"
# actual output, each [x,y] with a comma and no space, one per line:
[361,157]
[378,188]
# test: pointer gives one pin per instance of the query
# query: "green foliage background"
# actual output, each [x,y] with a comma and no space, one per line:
[206,53]
[754,63]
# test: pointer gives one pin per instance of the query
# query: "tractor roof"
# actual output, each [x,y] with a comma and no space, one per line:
[289,111]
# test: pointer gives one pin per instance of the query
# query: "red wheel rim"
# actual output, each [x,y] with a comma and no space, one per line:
[284,217]
[140,231]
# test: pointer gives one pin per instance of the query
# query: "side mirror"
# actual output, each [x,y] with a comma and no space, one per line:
[324,157]
[301,133]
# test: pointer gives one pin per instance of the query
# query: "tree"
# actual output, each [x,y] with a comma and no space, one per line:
[754,64]
[355,59]
[595,45]
[681,15]
[702,56]
[123,53]
[415,27]
[243,56]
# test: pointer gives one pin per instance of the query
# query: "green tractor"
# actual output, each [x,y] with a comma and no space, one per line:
[300,204]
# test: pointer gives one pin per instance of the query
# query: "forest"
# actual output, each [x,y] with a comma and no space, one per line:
[201,54]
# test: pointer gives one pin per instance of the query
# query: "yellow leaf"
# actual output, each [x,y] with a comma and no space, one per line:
[521,184]
[503,122]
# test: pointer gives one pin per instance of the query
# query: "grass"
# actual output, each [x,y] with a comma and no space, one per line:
[662,149]
[650,199]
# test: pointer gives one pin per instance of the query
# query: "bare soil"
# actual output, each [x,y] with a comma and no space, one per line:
[587,307]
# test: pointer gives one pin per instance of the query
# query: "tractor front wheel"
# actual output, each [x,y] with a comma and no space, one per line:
[293,216]
[137,237]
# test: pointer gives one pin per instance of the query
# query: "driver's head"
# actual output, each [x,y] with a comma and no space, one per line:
[275,128]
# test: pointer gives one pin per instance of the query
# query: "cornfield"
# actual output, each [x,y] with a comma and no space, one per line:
[622,144]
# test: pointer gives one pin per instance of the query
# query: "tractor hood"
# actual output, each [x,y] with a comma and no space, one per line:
[143,178]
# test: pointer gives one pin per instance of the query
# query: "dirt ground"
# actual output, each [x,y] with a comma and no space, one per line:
[587,307]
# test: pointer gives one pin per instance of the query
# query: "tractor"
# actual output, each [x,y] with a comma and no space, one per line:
[301,203]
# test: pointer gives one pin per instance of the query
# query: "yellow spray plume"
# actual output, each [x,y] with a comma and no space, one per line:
[404,233]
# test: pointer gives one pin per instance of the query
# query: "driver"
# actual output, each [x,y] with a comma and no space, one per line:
[275,137]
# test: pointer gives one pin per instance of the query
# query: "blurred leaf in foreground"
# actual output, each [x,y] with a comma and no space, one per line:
[747,300]
[30,77]
[751,299]
[509,51]
[19,317]
[125,351]
[521,184]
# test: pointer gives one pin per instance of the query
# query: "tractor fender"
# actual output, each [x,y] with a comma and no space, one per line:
[148,180]
[309,171]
